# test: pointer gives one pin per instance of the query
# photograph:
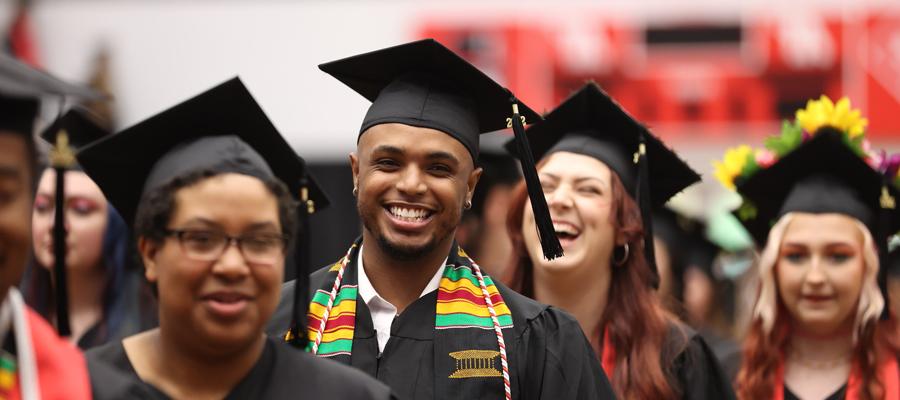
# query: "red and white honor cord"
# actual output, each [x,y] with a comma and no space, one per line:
[334,291]
[504,363]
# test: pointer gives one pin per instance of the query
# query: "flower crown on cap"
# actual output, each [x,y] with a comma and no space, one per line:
[743,161]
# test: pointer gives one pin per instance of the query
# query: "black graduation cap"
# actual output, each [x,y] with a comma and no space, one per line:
[81,126]
[22,87]
[426,85]
[222,129]
[591,123]
[822,175]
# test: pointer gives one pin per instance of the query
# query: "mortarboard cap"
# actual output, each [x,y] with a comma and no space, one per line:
[81,127]
[22,87]
[591,123]
[426,85]
[822,175]
[224,130]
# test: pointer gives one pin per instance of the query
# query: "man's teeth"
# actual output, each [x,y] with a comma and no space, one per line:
[409,214]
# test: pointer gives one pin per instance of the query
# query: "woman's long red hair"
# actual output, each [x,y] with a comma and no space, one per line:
[763,352]
[634,318]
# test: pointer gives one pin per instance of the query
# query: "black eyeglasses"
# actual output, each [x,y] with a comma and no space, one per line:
[209,245]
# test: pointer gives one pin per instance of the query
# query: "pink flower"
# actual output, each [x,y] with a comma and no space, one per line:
[874,158]
[765,158]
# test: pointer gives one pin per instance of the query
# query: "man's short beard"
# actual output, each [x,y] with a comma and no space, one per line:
[404,253]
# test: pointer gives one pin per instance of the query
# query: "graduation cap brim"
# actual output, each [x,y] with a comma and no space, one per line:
[591,123]
[771,191]
[81,127]
[370,73]
[121,164]
[20,80]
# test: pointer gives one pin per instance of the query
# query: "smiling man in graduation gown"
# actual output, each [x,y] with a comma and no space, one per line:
[406,304]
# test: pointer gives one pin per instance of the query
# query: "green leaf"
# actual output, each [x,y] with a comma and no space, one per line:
[750,166]
[855,144]
[747,211]
[791,136]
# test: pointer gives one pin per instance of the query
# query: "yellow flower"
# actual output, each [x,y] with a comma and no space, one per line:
[732,165]
[823,112]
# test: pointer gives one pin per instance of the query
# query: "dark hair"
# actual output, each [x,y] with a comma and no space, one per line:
[155,208]
[634,318]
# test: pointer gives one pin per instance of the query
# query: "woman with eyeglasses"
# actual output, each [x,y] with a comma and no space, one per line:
[208,185]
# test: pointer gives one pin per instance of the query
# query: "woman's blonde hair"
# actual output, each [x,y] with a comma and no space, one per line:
[871,302]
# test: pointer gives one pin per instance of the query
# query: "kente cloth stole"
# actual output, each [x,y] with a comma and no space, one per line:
[470,319]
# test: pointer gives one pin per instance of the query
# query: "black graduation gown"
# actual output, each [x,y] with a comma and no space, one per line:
[837,395]
[282,372]
[549,356]
[696,368]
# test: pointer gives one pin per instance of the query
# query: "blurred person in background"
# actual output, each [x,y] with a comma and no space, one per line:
[819,210]
[35,363]
[406,304]
[107,296]
[206,174]
[593,159]
[688,285]
[482,231]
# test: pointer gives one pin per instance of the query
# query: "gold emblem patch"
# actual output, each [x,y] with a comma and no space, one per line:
[475,364]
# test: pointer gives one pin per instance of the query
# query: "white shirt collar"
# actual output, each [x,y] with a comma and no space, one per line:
[367,291]
[381,310]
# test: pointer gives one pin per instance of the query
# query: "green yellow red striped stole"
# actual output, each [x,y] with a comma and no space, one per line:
[335,337]
[468,305]
[460,303]
[7,374]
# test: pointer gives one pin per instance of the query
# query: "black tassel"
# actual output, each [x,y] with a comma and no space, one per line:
[644,203]
[62,158]
[549,242]
[298,334]
[885,211]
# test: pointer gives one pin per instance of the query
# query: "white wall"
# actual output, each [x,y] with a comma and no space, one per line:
[166,51]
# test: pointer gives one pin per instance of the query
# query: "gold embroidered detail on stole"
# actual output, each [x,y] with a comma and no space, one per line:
[475,364]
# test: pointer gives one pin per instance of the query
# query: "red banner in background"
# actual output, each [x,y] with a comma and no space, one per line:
[883,72]
[717,75]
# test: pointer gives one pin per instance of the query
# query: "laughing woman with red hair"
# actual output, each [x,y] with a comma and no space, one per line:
[595,165]
[822,214]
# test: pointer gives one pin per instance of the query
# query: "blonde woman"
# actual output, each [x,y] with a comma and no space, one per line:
[817,208]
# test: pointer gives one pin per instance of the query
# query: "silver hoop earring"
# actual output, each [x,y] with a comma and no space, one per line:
[621,262]
[355,191]
[467,205]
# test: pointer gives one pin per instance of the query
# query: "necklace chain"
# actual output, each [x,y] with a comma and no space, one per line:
[804,360]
